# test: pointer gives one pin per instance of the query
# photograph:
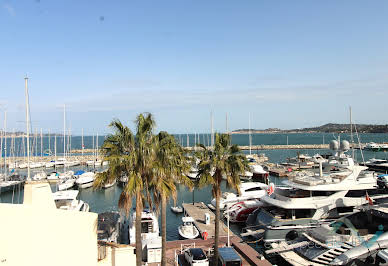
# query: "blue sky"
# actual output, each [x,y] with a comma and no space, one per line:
[290,64]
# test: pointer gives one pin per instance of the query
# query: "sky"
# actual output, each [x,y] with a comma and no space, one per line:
[284,64]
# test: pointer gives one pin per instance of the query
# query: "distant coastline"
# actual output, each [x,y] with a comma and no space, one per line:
[327,128]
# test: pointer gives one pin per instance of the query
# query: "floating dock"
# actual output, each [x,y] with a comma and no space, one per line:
[197,212]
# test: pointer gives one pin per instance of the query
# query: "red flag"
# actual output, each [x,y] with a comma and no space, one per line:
[370,201]
[271,189]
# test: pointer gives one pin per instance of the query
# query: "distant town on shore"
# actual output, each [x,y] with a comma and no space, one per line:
[327,128]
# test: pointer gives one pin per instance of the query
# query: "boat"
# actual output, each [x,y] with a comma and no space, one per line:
[193,173]
[111,184]
[66,183]
[246,175]
[239,212]
[67,200]
[53,176]
[248,190]
[50,164]
[123,180]
[371,146]
[360,238]
[85,180]
[336,190]
[188,230]
[108,226]
[9,183]
[40,176]
[149,226]
[66,175]
[177,209]
[379,165]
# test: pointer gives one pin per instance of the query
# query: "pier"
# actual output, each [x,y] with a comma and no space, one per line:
[197,212]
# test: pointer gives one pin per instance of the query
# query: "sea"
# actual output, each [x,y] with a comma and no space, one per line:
[106,200]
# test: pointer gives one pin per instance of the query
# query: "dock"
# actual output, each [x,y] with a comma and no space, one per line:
[197,212]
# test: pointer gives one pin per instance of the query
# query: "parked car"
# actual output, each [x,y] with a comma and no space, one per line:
[196,257]
[228,257]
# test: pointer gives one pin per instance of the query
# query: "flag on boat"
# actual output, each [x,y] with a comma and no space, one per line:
[271,189]
[370,201]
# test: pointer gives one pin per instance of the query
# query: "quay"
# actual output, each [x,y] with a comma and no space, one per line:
[197,211]
[248,255]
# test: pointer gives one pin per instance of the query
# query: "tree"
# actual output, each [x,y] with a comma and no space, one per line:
[133,156]
[170,164]
[221,160]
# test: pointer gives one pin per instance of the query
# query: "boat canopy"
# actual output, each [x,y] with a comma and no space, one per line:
[187,219]
[66,195]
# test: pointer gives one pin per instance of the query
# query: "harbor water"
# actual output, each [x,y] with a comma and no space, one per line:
[107,199]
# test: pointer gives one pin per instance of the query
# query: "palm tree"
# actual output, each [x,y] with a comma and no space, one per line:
[169,165]
[221,160]
[133,156]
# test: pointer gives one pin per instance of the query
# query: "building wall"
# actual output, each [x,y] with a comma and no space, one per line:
[34,233]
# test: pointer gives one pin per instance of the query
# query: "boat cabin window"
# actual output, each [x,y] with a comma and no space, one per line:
[253,189]
[146,226]
[322,193]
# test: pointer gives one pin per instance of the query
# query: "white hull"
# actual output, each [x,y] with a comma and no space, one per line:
[110,184]
[67,184]
[188,233]
[85,185]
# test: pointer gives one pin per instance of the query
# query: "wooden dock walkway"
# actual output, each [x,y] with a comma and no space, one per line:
[197,212]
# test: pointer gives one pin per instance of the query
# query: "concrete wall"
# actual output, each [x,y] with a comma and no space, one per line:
[36,233]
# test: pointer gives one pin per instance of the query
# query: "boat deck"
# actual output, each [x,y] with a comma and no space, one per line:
[197,212]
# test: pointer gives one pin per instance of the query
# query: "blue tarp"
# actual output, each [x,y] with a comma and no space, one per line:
[80,172]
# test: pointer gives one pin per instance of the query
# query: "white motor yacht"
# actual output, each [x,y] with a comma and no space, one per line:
[337,189]
[188,230]
[85,180]
[67,200]
[248,190]
[149,226]
[356,239]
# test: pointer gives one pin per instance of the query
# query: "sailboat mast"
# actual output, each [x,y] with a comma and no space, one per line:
[212,131]
[351,131]
[41,142]
[97,147]
[250,138]
[64,131]
[5,141]
[82,142]
[28,130]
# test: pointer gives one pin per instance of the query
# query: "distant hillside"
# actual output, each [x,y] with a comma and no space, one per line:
[328,128]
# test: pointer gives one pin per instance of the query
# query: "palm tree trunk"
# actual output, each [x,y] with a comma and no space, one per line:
[217,226]
[139,209]
[164,231]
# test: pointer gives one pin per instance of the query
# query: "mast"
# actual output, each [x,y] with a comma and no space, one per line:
[211,130]
[5,142]
[250,137]
[28,130]
[41,142]
[55,148]
[49,141]
[64,131]
[351,131]
[97,147]
[82,142]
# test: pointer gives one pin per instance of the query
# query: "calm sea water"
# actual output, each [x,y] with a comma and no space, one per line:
[106,200]
[16,147]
